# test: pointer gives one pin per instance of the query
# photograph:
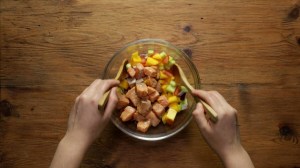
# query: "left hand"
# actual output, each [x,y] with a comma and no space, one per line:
[86,122]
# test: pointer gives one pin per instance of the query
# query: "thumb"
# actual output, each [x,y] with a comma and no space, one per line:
[200,117]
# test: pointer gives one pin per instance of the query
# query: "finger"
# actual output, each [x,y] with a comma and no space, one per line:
[222,100]
[204,95]
[200,117]
[210,98]
[112,102]
[93,84]
[91,89]
[104,86]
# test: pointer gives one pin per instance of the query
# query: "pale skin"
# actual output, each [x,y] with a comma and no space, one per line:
[86,124]
[222,136]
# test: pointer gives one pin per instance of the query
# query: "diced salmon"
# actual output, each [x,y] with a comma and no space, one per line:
[158,109]
[122,101]
[139,69]
[127,114]
[131,71]
[138,117]
[158,87]
[131,94]
[153,119]
[151,90]
[149,71]
[153,97]
[143,126]
[144,107]
[140,66]
[151,82]
[141,90]
[163,100]
[153,94]
[131,82]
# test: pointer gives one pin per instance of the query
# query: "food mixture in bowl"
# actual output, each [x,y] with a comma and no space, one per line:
[149,93]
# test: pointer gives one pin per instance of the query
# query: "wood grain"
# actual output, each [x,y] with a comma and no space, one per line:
[51,50]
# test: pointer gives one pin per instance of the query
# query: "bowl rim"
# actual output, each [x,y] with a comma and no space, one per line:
[156,137]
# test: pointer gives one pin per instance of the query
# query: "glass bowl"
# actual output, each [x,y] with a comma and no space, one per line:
[184,117]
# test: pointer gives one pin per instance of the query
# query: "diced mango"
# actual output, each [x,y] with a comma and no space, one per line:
[136,58]
[162,75]
[124,84]
[169,95]
[161,67]
[151,61]
[164,118]
[164,88]
[157,56]
[173,99]
[170,118]
[175,106]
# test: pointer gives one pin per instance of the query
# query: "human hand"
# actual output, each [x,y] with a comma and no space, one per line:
[86,122]
[222,136]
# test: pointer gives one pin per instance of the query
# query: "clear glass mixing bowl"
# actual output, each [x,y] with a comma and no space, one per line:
[184,117]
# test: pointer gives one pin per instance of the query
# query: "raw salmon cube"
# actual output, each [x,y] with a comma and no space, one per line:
[140,66]
[151,90]
[122,101]
[153,119]
[158,109]
[149,71]
[138,117]
[144,107]
[153,94]
[158,87]
[151,82]
[127,114]
[131,94]
[143,126]
[141,90]
[131,71]
[139,73]
[163,100]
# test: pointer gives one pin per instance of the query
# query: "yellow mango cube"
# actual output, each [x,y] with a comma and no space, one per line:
[173,99]
[175,106]
[162,75]
[170,118]
[124,84]
[136,58]
[151,61]
[164,118]
[157,56]
[164,88]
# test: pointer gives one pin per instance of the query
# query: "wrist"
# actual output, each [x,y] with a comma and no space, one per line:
[69,153]
[235,157]
[231,151]
[74,142]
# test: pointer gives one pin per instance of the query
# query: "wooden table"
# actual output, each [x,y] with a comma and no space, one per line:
[247,50]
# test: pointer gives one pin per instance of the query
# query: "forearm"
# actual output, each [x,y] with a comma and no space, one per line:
[237,158]
[69,153]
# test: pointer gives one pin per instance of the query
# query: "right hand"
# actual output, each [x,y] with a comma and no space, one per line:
[222,136]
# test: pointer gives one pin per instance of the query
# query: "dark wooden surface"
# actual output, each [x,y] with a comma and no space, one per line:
[247,50]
